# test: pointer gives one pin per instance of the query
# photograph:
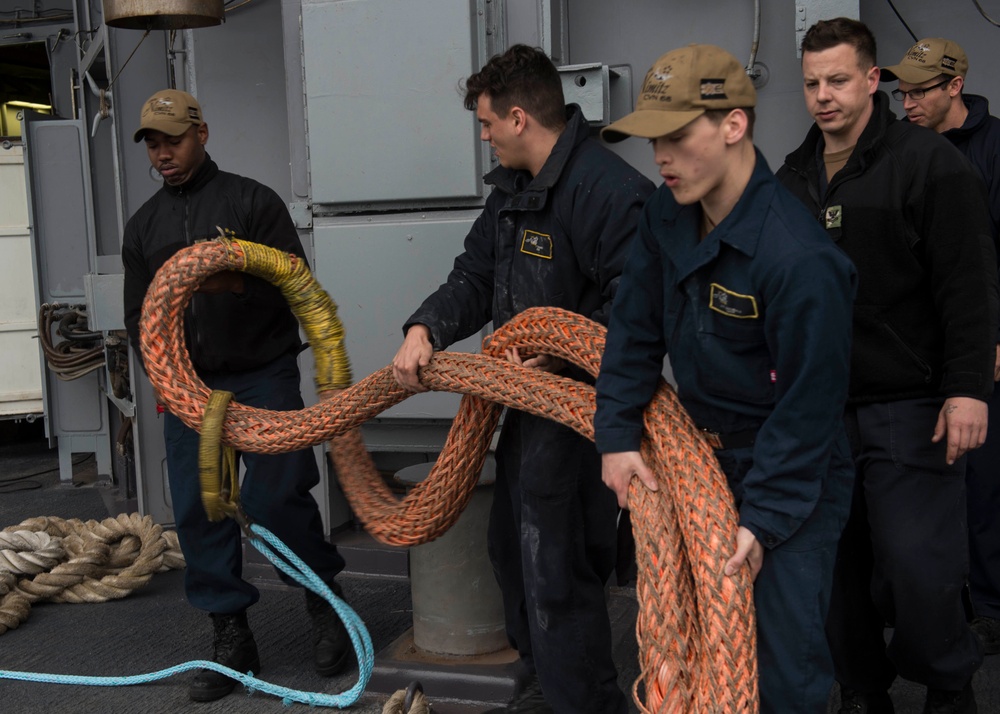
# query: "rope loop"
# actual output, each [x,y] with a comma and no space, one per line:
[28,552]
[696,627]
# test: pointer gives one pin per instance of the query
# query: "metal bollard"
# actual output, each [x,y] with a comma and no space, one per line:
[457,608]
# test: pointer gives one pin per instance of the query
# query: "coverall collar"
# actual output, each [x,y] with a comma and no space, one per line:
[740,229]
[512,181]
[205,173]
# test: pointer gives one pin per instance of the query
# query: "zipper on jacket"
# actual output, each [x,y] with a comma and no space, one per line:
[195,332]
[813,191]
[838,179]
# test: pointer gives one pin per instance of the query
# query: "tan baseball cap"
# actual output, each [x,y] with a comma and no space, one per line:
[170,111]
[928,59]
[681,86]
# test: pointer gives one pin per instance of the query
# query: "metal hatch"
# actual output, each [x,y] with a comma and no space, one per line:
[62,230]
[385,118]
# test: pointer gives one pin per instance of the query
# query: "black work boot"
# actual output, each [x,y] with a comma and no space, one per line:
[235,648]
[854,702]
[332,648]
[987,630]
[528,700]
[946,701]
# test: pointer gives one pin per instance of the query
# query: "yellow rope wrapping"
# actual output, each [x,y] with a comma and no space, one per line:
[219,492]
[317,313]
[315,309]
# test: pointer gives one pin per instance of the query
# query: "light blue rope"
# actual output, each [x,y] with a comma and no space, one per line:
[294,567]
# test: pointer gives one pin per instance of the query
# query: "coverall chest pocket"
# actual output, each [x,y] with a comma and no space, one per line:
[736,363]
[537,275]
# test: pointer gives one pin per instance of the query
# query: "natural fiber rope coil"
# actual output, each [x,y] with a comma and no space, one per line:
[696,627]
[100,561]
[28,552]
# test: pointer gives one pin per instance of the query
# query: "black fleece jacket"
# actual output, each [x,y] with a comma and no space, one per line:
[911,213]
[227,332]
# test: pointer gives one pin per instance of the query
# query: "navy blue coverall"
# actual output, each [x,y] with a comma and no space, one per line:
[558,239]
[756,320]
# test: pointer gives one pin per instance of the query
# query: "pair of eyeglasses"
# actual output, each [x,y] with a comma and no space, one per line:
[916,94]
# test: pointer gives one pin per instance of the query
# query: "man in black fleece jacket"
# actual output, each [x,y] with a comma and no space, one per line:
[911,213]
[242,338]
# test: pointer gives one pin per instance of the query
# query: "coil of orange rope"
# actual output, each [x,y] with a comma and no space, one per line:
[696,626]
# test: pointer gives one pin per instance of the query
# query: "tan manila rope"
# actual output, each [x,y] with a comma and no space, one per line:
[69,560]
[397,704]
[696,627]
[29,552]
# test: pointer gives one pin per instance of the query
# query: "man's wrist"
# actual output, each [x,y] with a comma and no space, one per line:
[422,330]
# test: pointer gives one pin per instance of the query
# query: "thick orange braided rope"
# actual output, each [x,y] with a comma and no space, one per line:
[696,627]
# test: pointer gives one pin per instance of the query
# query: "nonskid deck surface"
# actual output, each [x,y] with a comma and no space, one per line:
[154,628]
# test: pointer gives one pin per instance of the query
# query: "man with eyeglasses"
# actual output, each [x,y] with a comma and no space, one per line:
[931,79]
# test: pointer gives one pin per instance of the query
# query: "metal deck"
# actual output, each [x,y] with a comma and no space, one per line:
[155,628]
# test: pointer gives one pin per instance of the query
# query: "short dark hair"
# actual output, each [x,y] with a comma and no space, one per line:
[840,31]
[717,115]
[521,77]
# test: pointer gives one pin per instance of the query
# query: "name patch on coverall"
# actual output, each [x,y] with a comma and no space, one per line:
[537,244]
[732,304]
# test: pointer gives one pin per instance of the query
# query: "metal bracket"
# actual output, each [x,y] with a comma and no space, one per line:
[809,12]
[302,213]
[104,100]
[603,92]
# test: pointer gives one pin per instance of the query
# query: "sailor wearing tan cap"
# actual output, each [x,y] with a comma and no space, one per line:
[732,278]
[932,76]
[242,338]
